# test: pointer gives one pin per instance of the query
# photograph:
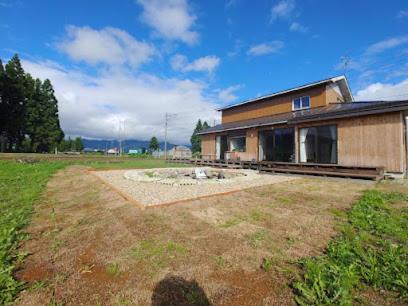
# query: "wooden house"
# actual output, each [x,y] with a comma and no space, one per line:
[317,123]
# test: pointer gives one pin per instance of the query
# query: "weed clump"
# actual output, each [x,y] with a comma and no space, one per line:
[372,250]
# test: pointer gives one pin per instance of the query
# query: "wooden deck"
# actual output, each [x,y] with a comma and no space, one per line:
[371,173]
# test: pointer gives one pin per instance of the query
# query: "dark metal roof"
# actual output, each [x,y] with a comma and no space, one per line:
[331,111]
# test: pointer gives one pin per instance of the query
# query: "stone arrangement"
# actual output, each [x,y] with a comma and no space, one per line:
[184,176]
[168,185]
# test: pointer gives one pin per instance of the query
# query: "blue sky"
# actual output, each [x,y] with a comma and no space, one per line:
[134,60]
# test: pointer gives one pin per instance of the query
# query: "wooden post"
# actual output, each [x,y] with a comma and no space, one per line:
[297,158]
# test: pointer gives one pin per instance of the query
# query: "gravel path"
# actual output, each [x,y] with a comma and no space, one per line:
[153,193]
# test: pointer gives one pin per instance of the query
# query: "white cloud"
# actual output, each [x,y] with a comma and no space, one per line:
[384,91]
[386,44]
[227,95]
[282,10]
[203,64]
[297,27]
[171,19]
[230,3]
[402,14]
[91,106]
[266,48]
[110,46]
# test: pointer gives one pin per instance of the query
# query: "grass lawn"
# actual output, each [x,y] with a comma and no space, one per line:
[20,187]
[304,241]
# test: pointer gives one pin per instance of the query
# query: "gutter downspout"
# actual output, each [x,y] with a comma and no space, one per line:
[406,146]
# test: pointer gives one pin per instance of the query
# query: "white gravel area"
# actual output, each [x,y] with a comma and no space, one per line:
[153,193]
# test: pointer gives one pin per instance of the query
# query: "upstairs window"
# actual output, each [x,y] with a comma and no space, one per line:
[301,103]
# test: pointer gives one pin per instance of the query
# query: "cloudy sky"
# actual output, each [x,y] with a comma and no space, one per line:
[135,60]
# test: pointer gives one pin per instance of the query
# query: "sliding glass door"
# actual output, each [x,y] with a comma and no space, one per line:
[277,145]
[318,144]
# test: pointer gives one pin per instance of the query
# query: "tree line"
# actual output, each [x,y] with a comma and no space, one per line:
[29,119]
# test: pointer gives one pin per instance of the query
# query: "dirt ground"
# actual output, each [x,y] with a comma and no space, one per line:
[89,246]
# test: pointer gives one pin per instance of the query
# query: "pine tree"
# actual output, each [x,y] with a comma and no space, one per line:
[78,144]
[196,139]
[32,112]
[52,127]
[2,110]
[41,117]
[153,144]
[65,145]
[13,102]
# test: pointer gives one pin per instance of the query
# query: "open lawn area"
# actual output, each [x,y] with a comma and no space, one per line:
[310,241]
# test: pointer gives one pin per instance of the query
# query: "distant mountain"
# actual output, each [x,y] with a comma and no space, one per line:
[102,144]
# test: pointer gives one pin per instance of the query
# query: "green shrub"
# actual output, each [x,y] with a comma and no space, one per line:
[372,250]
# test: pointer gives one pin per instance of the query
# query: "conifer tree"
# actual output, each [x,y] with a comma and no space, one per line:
[14,102]
[196,139]
[53,133]
[78,144]
[153,144]
[2,110]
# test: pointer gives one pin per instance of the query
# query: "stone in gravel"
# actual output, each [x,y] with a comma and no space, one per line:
[221,175]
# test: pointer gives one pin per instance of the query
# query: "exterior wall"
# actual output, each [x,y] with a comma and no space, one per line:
[208,146]
[333,95]
[273,106]
[372,141]
[251,152]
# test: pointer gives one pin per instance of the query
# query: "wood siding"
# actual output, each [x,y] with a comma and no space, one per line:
[333,96]
[372,141]
[208,146]
[273,106]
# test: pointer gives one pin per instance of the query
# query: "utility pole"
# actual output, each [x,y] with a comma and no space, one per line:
[120,138]
[121,135]
[167,117]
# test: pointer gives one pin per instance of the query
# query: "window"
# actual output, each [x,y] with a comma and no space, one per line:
[238,144]
[277,145]
[301,103]
[318,144]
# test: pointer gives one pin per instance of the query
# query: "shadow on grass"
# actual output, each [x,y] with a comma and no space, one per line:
[175,290]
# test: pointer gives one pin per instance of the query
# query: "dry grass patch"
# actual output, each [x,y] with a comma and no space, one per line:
[91,246]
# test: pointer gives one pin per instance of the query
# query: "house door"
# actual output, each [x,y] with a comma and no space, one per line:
[221,146]
[318,144]
[277,145]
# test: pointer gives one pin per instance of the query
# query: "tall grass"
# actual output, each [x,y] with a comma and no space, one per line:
[372,250]
[20,187]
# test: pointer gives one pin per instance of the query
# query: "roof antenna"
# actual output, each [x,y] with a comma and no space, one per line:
[345,61]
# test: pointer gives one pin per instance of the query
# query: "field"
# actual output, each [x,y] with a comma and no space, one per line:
[310,241]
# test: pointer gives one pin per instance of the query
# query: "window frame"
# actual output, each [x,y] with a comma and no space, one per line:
[235,137]
[301,103]
[319,126]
